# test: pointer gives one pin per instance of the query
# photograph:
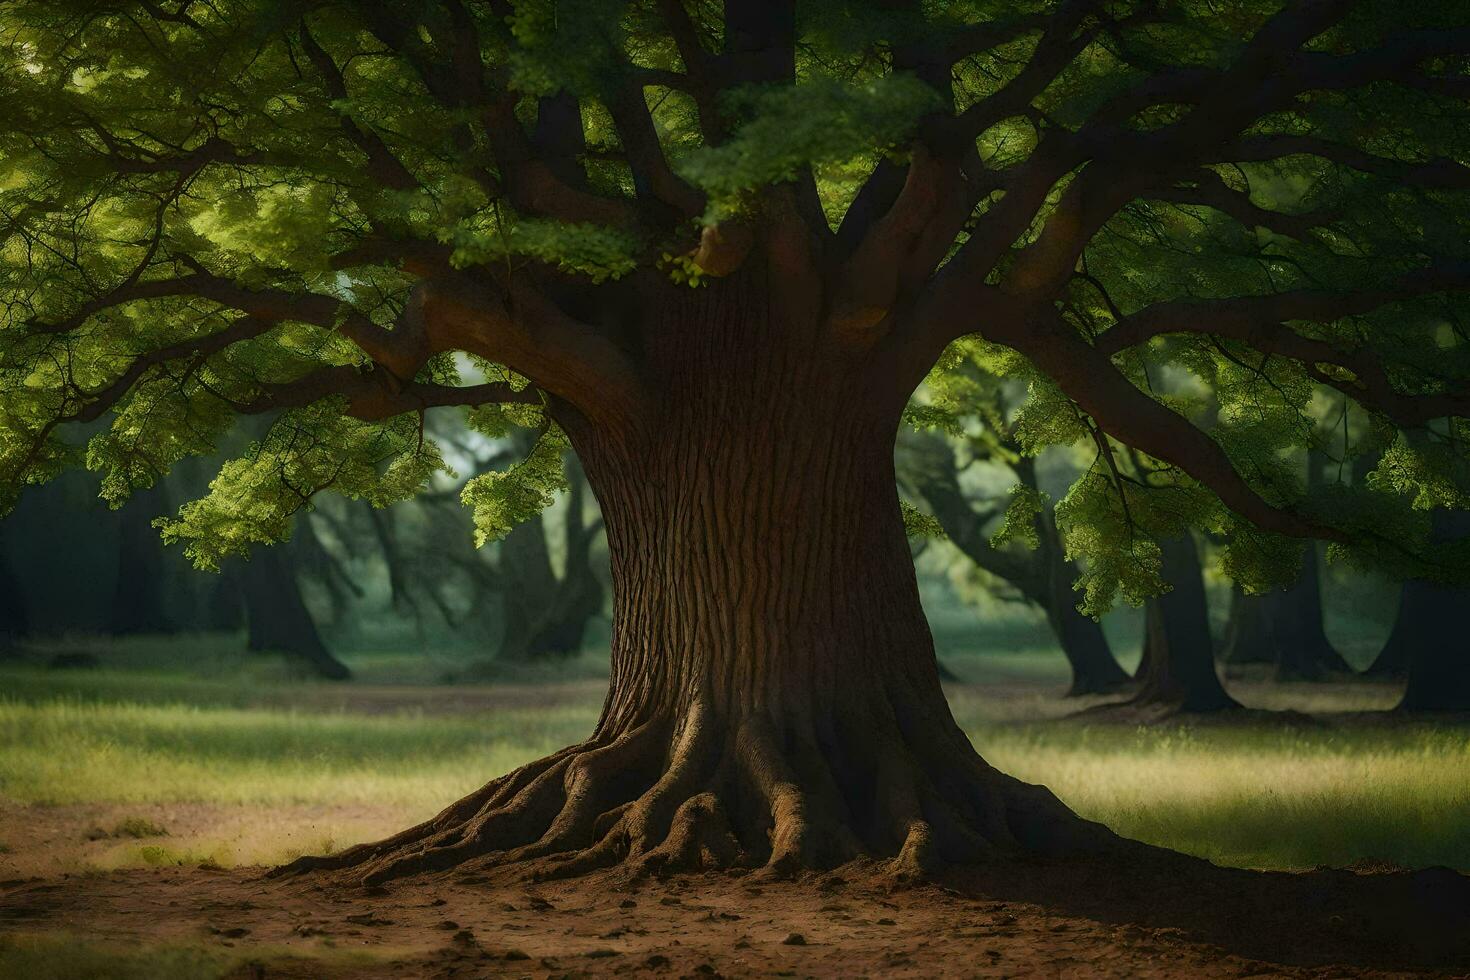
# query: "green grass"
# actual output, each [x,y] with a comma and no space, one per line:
[1252,796]
[1260,797]
[64,750]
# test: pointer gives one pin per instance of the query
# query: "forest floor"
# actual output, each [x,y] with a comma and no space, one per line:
[138,807]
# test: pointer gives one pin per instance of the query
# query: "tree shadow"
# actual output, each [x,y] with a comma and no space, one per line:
[1383,918]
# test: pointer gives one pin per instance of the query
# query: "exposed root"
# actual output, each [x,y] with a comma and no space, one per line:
[704,793]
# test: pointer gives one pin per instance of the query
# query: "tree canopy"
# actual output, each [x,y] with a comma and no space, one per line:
[1203,235]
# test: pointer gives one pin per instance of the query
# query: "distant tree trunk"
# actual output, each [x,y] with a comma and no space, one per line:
[530,587]
[1433,631]
[579,592]
[138,601]
[224,606]
[316,563]
[546,616]
[1179,670]
[1045,577]
[15,622]
[1393,660]
[1294,618]
[1247,637]
[1094,668]
[276,614]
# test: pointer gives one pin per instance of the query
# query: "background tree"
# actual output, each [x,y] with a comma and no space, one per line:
[15,622]
[716,250]
[977,417]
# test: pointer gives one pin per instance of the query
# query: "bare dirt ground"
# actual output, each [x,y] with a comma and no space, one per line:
[1181,918]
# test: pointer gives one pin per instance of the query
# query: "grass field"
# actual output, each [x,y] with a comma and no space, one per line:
[243,767]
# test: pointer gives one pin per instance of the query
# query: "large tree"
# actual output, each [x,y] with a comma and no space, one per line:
[717,249]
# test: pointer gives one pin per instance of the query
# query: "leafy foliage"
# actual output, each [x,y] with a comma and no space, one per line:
[501,500]
[238,208]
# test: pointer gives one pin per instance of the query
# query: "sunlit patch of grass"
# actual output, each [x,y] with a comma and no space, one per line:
[280,775]
[62,956]
[64,751]
[1260,796]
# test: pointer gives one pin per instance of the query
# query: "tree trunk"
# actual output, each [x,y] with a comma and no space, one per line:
[138,604]
[1179,669]
[1393,660]
[1094,668]
[579,592]
[531,588]
[1284,627]
[1433,631]
[15,622]
[1247,637]
[1295,620]
[773,697]
[276,615]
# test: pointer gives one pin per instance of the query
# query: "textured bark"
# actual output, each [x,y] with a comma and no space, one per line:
[773,697]
[1178,673]
[276,615]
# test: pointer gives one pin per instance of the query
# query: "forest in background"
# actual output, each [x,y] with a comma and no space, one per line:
[355,579]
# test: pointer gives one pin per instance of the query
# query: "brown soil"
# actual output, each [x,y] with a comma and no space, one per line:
[1182,918]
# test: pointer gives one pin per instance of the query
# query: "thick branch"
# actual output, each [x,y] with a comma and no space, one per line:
[1210,190]
[1439,173]
[1129,415]
[1243,317]
[268,305]
[900,248]
[372,398]
[531,335]
[460,83]
[1260,322]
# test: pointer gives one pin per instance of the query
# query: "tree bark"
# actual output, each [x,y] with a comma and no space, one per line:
[773,697]
[1178,673]
[276,615]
